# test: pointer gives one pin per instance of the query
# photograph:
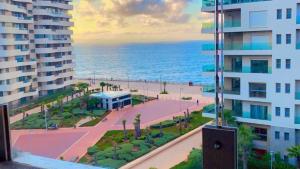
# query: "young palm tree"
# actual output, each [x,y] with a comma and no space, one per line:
[115,87]
[165,84]
[245,143]
[60,100]
[124,129]
[102,84]
[107,86]
[295,153]
[137,126]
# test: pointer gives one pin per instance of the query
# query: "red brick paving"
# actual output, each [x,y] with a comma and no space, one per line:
[73,143]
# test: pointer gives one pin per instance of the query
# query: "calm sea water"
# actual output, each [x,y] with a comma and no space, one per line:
[179,62]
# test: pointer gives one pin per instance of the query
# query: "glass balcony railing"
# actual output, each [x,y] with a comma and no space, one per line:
[297,119]
[232,24]
[298,19]
[297,45]
[208,68]
[208,3]
[240,46]
[209,88]
[256,115]
[209,109]
[297,95]
[244,69]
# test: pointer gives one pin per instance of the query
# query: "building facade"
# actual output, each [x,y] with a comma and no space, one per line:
[35,49]
[261,68]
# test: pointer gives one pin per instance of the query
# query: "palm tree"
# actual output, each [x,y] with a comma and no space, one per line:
[115,87]
[102,84]
[165,84]
[124,129]
[60,100]
[295,153]
[245,143]
[107,86]
[115,145]
[137,126]
[82,87]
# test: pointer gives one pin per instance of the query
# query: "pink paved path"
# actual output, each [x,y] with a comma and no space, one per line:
[73,143]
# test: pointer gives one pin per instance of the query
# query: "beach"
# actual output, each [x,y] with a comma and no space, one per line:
[176,91]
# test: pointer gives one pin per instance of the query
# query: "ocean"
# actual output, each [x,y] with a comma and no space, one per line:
[178,62]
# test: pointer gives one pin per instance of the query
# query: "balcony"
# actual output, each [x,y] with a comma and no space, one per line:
[232,24]
[209,3]
[257,90]
[240,46]
[208,89]
[208,68]
[297,95]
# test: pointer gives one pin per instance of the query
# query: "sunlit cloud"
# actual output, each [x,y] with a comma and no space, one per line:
[118,21]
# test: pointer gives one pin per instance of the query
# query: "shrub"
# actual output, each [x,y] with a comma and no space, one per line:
[92,150]
[164,124]
[194,161]
[111,163]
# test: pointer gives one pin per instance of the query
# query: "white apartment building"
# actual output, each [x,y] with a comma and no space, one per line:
[261,68]
[35,49]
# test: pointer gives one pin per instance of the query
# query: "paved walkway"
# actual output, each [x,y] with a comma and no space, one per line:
[181,146]
[74,144]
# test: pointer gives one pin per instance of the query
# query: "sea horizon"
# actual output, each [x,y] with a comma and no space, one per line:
[174,62]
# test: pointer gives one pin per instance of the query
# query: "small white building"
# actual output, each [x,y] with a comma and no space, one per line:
[113,99]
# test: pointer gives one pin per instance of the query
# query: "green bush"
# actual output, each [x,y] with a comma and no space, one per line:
[164,124]
[92,150]
[194,161]
[111,163]
[255,162]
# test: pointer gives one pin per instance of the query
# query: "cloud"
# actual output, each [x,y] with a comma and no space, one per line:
[136,20]
[171,11]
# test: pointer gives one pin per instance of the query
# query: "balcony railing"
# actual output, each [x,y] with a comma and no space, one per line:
[208,3]
[297,119]
[232,24]
[208,68]
[244,69]
[240,46]
[209,109]
[258,93]
[297,45]
[209,88]
[258,116]
[297,95]
[298,19]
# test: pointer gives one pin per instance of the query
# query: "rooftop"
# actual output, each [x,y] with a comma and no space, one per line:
[110,94]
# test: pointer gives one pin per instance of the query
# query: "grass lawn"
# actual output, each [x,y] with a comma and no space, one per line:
[71,115]
[104,154]
[96,120]
[138,99]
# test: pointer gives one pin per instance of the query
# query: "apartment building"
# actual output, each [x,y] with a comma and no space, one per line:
[35,49]
[261,68]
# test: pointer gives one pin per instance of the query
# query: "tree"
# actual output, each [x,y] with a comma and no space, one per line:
[124,129]
[295,153]
[60,100]
[229,119]
[115,87]
[137,126]
[160,130]
[115,155]
[82,87]
[107,86]
[245,143]
[102,85]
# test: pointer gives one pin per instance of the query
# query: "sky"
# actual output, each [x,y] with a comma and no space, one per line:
[127,21]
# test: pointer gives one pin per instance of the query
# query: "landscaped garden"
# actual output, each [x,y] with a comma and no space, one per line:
[63,114]
[116,148]
[138,99]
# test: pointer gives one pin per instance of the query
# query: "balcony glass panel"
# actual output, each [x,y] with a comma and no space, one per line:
[208,3]
[297,119]
[240,46]
[259,112]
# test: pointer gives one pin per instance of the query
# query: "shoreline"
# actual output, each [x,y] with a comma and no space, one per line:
[137,81]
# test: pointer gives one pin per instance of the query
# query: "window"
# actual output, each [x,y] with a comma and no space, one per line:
[277,135]
[259,112]
[278,88]
[277,111]
[278,39]
[278,63]
[257,90]
[286,136]
[288,13]
[259,66]
[288,39]
[279,13]
[288,63]
[261,133]
[1,94]
[287,88]
[287,112]
[258,19]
